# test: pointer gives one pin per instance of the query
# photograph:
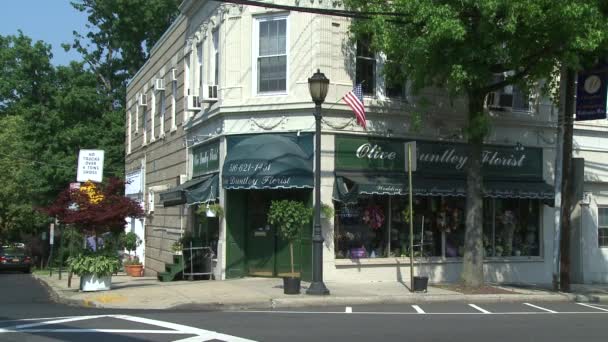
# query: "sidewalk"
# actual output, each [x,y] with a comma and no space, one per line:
[267,293]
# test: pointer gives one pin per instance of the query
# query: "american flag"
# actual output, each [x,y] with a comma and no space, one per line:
[354,99]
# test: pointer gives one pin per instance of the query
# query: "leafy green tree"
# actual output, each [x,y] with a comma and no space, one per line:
[121,35]
[461,45]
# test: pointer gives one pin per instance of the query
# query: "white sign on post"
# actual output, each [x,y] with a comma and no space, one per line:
[90,166]
[407,166]
[52,234]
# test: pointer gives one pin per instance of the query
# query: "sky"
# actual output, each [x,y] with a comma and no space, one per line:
[49,20]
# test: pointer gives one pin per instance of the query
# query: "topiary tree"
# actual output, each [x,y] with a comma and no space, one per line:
[289,217]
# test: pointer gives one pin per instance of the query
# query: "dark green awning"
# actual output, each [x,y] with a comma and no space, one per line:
[207,191]
[193,191]
[498,189]
[349,185]
[268,161]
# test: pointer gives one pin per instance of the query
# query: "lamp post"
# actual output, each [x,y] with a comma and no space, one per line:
[317,85]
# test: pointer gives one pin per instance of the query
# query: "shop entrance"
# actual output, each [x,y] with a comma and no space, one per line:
[263,252]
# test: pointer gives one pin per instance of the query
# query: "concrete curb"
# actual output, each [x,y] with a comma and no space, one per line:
[301,301]
[57,297]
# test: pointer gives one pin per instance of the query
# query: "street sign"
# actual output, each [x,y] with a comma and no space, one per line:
[413,159]
[52,234]
[90,166]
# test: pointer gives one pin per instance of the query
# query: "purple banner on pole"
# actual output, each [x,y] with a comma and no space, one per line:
[592,94]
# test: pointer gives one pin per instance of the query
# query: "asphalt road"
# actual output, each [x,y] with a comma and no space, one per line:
[27,314]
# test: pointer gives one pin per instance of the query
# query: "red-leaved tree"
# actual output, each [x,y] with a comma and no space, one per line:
[95,209]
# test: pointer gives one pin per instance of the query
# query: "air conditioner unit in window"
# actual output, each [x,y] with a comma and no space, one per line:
[173,74]
[142,100]
[208,93]
[159,84]
[192,103]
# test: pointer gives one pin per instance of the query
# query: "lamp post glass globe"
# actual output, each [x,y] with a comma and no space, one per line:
[318,85]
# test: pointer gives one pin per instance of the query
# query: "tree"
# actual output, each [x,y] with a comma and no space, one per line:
[462,45]
[122,33]
[95,208]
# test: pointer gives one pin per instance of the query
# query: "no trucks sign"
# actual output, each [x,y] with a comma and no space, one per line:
[90,166]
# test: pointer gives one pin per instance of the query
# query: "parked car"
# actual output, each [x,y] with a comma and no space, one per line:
[15,258]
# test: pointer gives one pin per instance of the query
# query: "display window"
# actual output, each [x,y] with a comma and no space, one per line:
[377,226]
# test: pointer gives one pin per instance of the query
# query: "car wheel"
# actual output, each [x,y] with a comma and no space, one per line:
[27,270]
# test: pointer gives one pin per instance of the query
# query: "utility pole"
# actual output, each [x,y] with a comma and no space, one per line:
[567,188]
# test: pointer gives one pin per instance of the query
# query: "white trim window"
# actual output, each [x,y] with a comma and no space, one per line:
[187,83]
[215,56]
[173,102]
[602,227]
[136,117]
[129,118]
[144,119]
[270,49]
[152,115]
[163,104]
[199,68]
[365,70]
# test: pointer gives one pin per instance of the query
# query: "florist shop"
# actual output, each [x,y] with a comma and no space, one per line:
[258,169]
[371,202]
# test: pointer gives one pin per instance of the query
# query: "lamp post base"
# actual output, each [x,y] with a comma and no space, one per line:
[317,289]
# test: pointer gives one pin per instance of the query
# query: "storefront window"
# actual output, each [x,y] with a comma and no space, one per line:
[376,227]
[511,227]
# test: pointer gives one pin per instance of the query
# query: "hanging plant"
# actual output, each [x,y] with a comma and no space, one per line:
[373,217]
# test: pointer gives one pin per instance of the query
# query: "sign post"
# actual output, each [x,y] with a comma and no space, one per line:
[409,166]
[51,242]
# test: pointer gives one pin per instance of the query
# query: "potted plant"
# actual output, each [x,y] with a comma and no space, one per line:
[176,248]
[95,271]
[132,265]
[211,210]
[289,217]
[99,211]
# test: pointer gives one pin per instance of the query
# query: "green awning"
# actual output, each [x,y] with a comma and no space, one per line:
[349,185]
[207,191]
[193,191]
[268,161]
[503,189]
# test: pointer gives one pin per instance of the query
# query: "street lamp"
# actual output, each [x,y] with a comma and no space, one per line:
[317,85]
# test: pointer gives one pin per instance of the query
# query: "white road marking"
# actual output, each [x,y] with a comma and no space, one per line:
[591,306]
[410,313]
[418,309]
[348,309]
[173,328]
[540,308]
[479,309]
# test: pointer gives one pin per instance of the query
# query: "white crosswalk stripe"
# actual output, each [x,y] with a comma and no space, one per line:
[170,328]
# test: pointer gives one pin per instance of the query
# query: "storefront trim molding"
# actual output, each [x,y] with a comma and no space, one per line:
[425,261]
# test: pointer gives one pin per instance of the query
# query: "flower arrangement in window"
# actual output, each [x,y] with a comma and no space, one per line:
[448,219]
[373,216]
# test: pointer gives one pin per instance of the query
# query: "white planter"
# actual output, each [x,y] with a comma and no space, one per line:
[92,282]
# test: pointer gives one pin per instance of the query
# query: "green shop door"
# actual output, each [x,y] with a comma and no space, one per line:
[261,237]
[268,253]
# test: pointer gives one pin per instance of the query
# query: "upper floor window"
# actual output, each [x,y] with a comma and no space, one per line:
[216,56]
[510,97]
[199,66]
[271,54]
[602,226]
[366,66]
[129,118]
[394,80]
